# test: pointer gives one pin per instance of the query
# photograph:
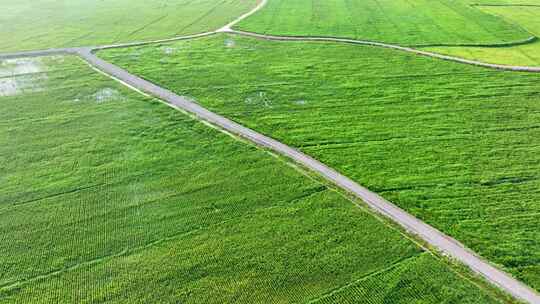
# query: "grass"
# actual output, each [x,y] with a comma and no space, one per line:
[42,24]
[455,145]
[420,22]
[110,196]
[528,55]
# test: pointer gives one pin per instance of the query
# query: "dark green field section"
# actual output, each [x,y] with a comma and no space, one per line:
[404,22]
[455,145]
[43,24]
[109,196]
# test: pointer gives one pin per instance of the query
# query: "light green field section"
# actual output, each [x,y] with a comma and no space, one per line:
[527,55]
[457,146]
[42,24]
[408,282]
[418,22]
[108,196]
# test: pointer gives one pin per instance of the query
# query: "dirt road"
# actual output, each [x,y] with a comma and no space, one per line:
[429,234]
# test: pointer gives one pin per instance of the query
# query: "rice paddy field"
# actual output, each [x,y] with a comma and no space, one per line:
[455,145]
[43,24]
[413,23]
[524,15]
[111,196]
[108,195]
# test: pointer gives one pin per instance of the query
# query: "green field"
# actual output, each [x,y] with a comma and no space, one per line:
[42,24]
[418,22]
[529,54]
[456,145]
[110,196]
[396,286]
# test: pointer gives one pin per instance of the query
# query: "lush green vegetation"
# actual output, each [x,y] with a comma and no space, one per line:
[109,196]
[527,54]
[456,145]
[406,283]
[41,24]
[420,22]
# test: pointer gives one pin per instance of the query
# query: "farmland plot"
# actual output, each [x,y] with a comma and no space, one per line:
[525,15]
[42,24]
[110,196]
[418,22]
[408,282]
[457,146]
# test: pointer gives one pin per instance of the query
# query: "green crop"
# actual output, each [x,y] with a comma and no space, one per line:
[43,24]
[419,22]
[110,196]
[457,146]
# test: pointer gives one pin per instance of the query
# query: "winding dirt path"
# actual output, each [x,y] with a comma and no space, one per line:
[229,30]
[280,38]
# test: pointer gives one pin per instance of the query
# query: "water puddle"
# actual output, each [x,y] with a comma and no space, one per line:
[259,99]
[229,43]
[167,50]
[107,95]
[22,75]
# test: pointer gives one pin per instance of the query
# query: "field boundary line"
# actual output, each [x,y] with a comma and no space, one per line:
[529,40]
[388,46]
[509,5]
[79,50]
[443,243]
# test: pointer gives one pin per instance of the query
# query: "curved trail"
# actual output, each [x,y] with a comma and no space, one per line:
[434,237]
[227,30]
[229,26]
[74,50]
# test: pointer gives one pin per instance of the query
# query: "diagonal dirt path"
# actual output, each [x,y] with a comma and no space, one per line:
[434,237]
